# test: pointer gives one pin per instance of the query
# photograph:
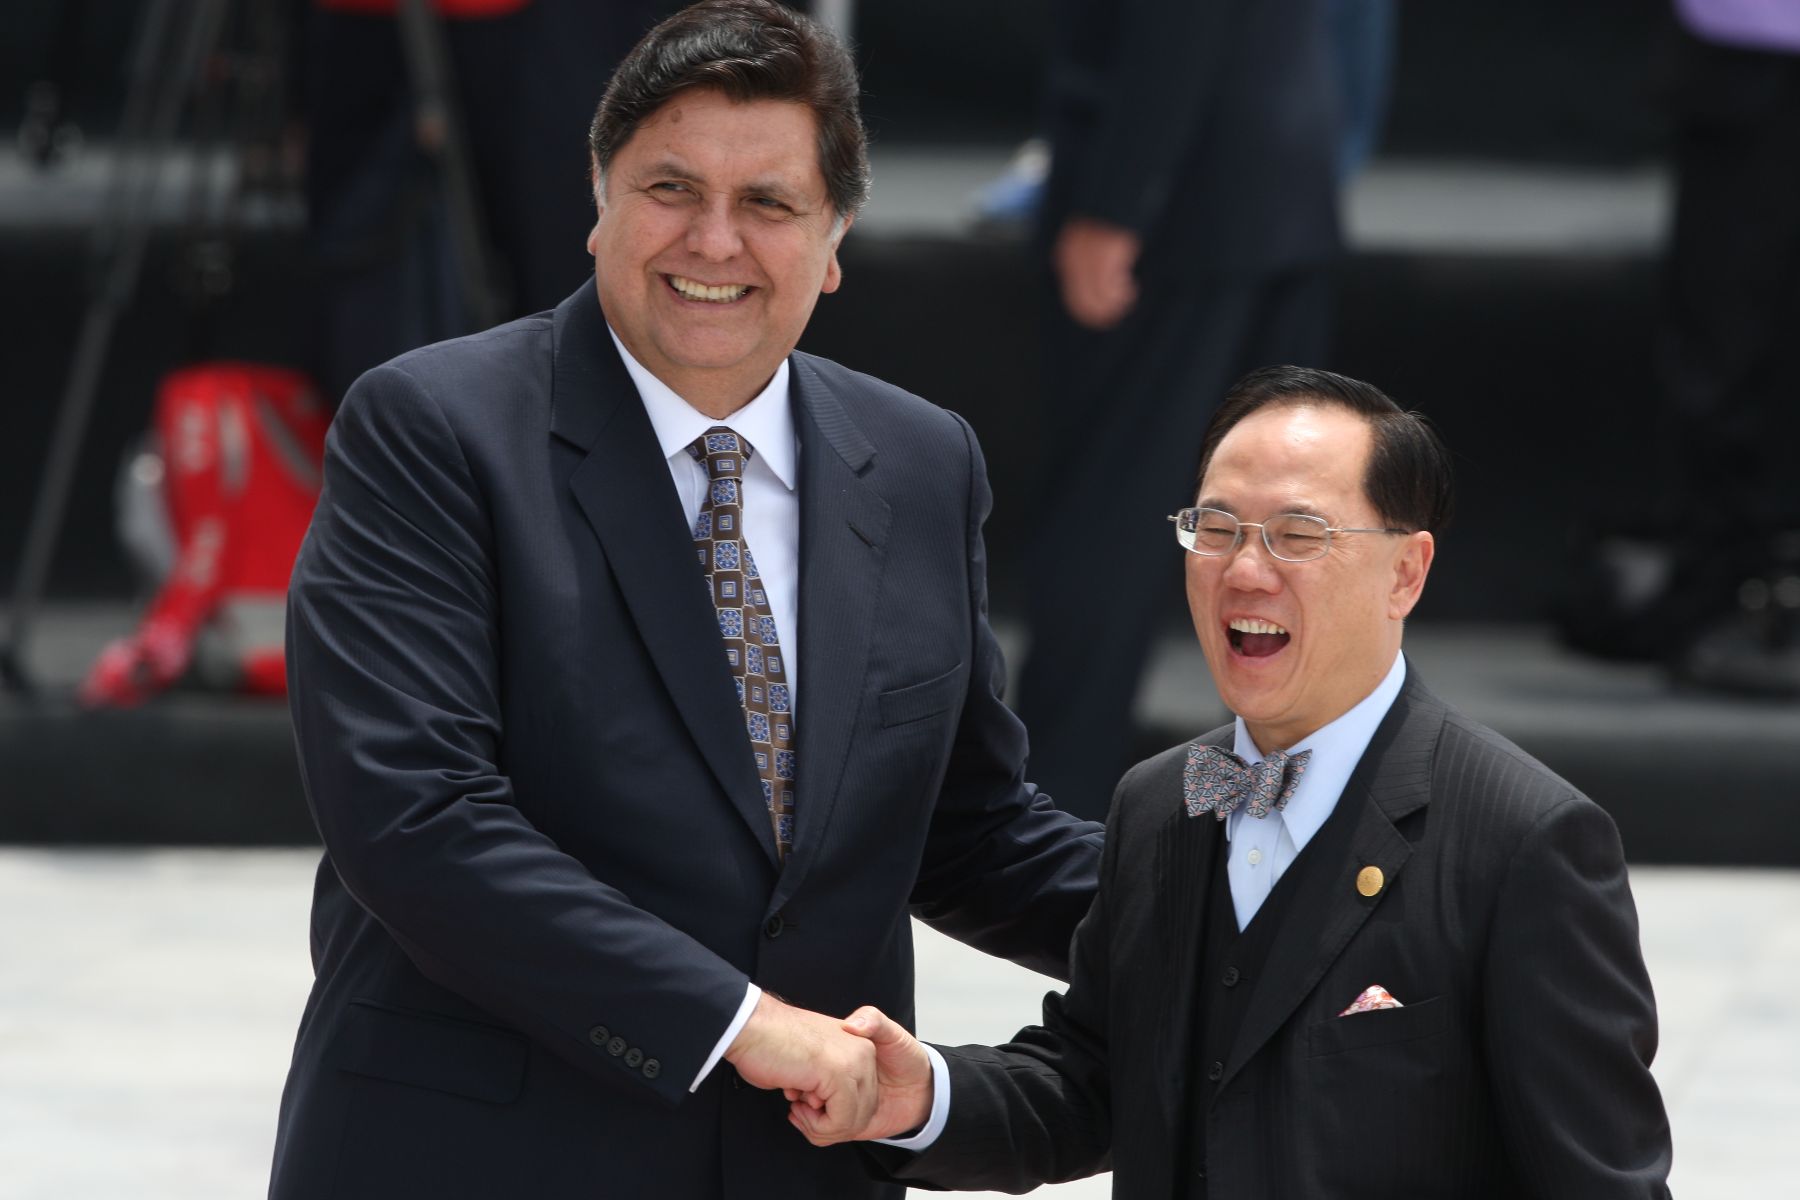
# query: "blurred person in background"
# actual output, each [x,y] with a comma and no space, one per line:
[1731,310]
[1191,223]
[1706,577]
[524,76]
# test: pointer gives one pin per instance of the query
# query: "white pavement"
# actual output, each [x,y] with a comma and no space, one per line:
[148,999]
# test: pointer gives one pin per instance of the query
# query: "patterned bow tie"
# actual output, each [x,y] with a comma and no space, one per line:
[1218,781]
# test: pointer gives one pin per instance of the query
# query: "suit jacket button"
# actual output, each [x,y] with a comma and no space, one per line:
[1216,1072]
[652,1068]
[634,1057]
[1231,977]
[616,1047]
[773,926]
[599,1035]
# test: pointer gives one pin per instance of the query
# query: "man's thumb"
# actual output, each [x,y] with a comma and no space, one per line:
[870,1022]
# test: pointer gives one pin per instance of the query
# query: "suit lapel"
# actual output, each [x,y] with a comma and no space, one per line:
[624,490]
[1186,853]
[1392,780]
[843,533]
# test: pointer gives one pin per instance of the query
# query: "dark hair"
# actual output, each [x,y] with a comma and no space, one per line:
[1409,478]
[750,50]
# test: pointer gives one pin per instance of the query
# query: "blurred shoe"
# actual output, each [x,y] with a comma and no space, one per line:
[1009,204]
[1755,649]
[1639,598]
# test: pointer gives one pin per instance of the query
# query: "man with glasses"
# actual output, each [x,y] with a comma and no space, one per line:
[1353,943]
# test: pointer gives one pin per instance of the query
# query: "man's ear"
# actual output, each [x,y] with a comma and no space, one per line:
[1411,566]
[834,274]
[596,184]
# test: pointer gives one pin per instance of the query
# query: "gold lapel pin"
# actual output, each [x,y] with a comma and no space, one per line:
[1369,881]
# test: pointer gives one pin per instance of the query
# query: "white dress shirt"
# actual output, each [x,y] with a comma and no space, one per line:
[772,532]
[1261,847]
[771,514]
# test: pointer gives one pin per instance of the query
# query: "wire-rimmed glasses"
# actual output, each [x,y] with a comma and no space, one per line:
[1291,537]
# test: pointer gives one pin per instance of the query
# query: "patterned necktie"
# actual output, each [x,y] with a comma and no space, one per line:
[745,623]
[1218,781]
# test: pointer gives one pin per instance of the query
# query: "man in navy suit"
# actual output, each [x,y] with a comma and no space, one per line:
[641,675]
[1353,944]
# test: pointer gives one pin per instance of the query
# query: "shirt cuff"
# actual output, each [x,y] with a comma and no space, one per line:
[940,1107]
[752,994]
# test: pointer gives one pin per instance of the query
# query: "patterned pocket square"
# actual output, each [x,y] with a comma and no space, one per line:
[1374,997]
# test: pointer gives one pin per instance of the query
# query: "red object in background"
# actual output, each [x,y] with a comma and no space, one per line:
[242,446]
[455,10]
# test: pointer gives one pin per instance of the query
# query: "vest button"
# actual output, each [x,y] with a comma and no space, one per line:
[1231,977]
[773,926]
[1216,1072]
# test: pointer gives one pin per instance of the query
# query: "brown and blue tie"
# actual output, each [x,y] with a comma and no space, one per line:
[751,646]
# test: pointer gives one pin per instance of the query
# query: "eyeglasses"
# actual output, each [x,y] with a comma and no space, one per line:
[1291,537]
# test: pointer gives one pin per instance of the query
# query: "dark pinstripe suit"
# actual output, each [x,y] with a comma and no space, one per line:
[549,868]
[1519,1065]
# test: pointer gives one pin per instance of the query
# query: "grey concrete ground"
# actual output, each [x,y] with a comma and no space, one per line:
[148,998]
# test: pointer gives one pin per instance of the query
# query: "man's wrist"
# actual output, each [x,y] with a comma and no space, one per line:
[939,1113]
[752,997]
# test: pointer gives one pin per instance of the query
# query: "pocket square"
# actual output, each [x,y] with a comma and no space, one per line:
[1374,997]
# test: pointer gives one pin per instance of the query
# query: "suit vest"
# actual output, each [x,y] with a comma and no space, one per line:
[1231,965]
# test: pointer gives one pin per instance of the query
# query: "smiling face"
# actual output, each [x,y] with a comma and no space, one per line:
[715,238]
[1294,646]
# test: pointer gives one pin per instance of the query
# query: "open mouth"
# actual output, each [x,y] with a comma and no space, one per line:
[1255,639]
[707,293]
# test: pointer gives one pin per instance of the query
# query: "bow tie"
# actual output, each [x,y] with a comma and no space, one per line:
[1218,781]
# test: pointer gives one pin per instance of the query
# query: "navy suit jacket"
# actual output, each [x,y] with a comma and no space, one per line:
[1518,1066]
[1207,127]
[549,870]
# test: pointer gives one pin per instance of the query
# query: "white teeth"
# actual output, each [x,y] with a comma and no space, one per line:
[702,291]
[1248,625]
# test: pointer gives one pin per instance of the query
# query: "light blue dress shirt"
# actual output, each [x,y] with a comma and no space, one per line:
[1262,848]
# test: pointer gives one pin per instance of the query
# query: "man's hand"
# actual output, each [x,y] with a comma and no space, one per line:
[811,1058]
[1095,261]
[903,1076]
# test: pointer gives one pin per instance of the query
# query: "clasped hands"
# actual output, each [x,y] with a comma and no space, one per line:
[845,1080]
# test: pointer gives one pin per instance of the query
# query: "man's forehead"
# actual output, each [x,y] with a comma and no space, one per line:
[1290,442]
[702,130]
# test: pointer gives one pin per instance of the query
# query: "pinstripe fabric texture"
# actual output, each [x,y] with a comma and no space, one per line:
[1517,1065]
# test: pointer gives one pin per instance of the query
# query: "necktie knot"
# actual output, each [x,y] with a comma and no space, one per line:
[1219,782]
[723,452]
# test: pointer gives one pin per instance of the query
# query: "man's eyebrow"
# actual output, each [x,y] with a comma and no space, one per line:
[670,166]
[772,186]
[1301,509]
[777,188]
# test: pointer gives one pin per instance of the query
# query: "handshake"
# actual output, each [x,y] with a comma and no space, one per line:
[856,1079]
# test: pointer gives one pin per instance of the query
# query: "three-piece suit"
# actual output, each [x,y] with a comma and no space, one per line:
[1488,896]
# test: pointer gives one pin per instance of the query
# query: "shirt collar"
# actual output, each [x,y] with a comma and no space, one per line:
[1336,747]
[767,422]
